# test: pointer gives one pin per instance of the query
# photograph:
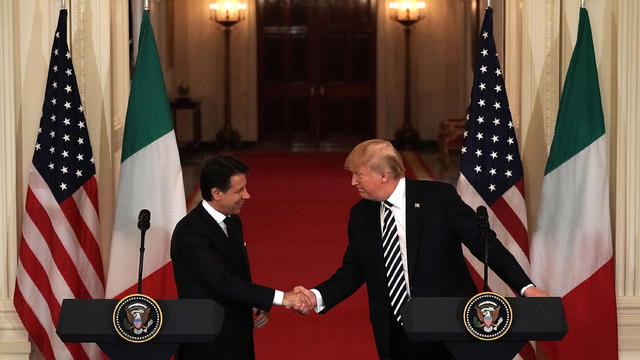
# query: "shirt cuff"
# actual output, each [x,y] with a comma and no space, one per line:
[525,288]
[319,302]
[278,297]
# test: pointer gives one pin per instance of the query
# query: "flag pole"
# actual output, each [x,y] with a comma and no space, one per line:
[63,4]
[146,5]
[488,4]
[581,3]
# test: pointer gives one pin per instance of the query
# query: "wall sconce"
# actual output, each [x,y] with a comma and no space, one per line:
[407,13]
[227,13]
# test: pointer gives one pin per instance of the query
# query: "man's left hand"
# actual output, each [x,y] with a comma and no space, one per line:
[261,319]
[535,292]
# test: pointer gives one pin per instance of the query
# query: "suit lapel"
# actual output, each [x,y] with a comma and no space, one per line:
[235,244]
[237,238]
[414,209]
[210,222]
[372,224]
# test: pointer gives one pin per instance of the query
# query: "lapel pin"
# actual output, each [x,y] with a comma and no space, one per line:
[417,205]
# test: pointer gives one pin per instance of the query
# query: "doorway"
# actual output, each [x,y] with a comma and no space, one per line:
[316,71]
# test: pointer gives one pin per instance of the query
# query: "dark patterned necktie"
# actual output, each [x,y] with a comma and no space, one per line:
[393,262]
[227,221]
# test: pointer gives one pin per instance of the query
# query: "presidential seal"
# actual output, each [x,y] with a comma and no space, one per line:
[137,318]
[487,316]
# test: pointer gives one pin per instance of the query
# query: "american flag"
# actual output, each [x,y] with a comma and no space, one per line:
[491,172]
[59,256]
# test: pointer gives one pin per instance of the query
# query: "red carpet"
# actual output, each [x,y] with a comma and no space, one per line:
[295,228]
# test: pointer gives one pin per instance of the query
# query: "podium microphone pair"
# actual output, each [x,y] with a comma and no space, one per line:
[144,223]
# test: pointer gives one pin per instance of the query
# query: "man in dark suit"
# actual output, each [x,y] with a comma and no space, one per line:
[210,262]
[405,241]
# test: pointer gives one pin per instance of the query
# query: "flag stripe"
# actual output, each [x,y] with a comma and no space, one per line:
[512,223]
[60,257]
[37,272]
[514,197]
[574,229]
[41,314]
[65,235]
[39,276]
[37,245]
[88,213]
[495,283]
[91,190]
[528,352]
[50,284]
[159,284]
[34,328]
[473,199]
[162,178]
[84,235]
[148,101]
[581,105]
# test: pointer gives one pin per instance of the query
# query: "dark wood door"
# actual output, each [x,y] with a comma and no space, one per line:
[316,62]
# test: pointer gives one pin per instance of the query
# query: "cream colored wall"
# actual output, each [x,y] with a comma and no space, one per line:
[625,109]
[14,342]
[439,82]
[199,63]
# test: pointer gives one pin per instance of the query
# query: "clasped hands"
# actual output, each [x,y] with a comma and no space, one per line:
[299,299]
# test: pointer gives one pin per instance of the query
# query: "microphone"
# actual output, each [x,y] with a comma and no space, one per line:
[483,224]
[144,218]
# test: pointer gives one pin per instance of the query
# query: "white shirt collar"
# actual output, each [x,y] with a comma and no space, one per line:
[215,214]
[397,197]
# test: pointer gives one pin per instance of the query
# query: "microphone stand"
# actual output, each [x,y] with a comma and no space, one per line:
[142,233]
[483,219]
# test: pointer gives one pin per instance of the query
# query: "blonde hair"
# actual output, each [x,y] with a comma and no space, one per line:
[377,155]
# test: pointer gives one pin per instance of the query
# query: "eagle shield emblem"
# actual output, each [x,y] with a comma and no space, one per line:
[137,318]
[487,316]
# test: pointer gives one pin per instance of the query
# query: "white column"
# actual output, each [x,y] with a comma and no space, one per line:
[14,343]
[627,183]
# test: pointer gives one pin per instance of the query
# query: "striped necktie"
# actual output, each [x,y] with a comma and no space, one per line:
[393,262]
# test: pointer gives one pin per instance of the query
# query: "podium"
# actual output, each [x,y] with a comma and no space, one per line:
[441,319]
[185,321]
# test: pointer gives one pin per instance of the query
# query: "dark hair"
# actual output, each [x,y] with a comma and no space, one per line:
[217,172]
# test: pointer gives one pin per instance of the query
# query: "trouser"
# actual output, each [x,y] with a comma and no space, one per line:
[404,349]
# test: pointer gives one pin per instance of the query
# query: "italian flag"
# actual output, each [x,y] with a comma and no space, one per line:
[571,247]
[150,178]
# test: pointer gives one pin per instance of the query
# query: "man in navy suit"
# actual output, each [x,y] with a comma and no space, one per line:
[210,262]
[430,222]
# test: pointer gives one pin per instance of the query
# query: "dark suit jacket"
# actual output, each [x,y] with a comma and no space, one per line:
[435,227]
[209,265]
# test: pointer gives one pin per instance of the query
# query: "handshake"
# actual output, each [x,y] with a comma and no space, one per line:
[300,299]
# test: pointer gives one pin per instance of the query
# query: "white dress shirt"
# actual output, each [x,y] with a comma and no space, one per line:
[398,199]
[219,218]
